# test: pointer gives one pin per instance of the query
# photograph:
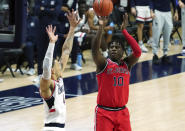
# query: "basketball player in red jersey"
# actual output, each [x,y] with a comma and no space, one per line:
[113,80]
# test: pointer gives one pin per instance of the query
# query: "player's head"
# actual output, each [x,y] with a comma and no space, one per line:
[116,48]
[83,8]
[56,69]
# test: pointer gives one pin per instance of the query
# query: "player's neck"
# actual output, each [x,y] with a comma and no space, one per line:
[53,77]
[116,61]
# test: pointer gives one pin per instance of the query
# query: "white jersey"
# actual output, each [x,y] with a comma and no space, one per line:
[95,19]
[55,108]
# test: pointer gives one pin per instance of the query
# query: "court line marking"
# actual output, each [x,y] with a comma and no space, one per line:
[181,57]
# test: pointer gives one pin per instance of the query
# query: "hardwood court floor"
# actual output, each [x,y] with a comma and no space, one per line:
[155,105]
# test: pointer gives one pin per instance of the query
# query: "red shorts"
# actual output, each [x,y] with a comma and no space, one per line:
[112,120]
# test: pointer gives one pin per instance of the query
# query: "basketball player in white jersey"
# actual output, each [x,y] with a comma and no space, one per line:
[51,84]
[92,21]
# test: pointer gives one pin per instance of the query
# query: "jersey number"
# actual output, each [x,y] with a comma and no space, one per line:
[118,81]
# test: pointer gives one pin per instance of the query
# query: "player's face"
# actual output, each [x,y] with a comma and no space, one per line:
[115,51]
[82,8]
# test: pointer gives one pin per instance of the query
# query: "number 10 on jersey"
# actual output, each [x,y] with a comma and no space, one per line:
[118,81]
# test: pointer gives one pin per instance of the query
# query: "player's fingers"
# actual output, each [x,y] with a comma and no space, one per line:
[54,29]
[76,16]
[49,28]
[79,21]
[57,36]
[46,29]
[73,12]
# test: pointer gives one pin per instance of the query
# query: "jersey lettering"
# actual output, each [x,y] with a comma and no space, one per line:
[61,89]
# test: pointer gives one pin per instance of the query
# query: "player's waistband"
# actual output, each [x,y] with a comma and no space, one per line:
[111,108]
[54,125]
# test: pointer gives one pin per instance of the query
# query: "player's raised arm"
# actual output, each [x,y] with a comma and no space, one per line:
[67,47]
[46,82]
[99,60]
[136,51]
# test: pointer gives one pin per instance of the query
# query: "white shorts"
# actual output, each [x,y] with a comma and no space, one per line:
[143,14]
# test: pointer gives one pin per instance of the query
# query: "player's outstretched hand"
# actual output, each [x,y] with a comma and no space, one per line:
[73,18]
[51,33]
[125,21]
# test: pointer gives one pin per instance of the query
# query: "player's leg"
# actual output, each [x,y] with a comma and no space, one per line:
[140,32]
[29,53]
[75,51]
[103,120]
[123,121]
[150,41]
[158,23]
[183,28]
[149,21]
[168,26]
[140,20]
[41,48]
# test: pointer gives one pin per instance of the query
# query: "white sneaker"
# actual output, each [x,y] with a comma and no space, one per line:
[149,43]
[1,80]
[143,48]
[75,67]
[183,50]
[30,72]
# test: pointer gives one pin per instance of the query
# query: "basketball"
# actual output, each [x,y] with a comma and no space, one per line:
[102,7]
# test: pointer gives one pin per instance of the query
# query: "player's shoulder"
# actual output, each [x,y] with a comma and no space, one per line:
[59,82]
[91,12]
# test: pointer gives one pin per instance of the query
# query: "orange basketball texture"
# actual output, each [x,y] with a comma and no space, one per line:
[102,7]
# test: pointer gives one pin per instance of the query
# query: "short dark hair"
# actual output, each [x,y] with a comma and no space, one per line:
[118,39]
[82,2]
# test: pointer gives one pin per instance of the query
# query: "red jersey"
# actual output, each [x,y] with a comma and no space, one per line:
[113,85]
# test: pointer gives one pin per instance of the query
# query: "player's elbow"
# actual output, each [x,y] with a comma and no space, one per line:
[137,54]
[44,84]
